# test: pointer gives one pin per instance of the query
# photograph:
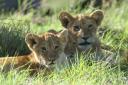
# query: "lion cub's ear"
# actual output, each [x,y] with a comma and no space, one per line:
[31,40]
[63,35]
[65,19]
[97,16]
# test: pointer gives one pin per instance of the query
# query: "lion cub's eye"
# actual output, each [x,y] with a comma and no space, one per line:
[76,28]
[43,49]
[56,47]
[90,26]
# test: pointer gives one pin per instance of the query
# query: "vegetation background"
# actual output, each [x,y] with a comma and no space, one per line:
[113,31]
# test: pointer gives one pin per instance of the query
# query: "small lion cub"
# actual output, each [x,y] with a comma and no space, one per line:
[47,50]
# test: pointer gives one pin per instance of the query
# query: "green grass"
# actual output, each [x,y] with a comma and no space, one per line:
[14,27]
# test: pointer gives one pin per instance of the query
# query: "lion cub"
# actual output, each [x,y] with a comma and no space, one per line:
[82,31]
[83,36]
[47,50]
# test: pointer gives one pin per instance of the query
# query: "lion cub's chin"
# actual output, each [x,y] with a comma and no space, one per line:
[48,64]
[85,47]
[59,63]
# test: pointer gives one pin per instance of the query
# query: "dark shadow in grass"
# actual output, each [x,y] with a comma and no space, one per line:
[12,39]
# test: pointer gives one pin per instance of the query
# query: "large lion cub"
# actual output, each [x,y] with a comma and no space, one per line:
[82,31]
[46,51]
[83,35]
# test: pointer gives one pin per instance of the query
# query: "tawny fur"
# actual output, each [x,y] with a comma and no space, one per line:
[83,29]
[47,50]
[83,26]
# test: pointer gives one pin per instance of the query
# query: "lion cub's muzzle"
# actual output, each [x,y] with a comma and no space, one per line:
[85,43]
[51,61]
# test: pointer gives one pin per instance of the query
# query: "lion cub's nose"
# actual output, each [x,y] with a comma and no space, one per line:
[51,61]
[85,38]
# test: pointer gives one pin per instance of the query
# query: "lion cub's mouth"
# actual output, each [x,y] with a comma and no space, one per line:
[85,43]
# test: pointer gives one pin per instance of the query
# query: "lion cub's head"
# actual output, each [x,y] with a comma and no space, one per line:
[83,28]
[47,48]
